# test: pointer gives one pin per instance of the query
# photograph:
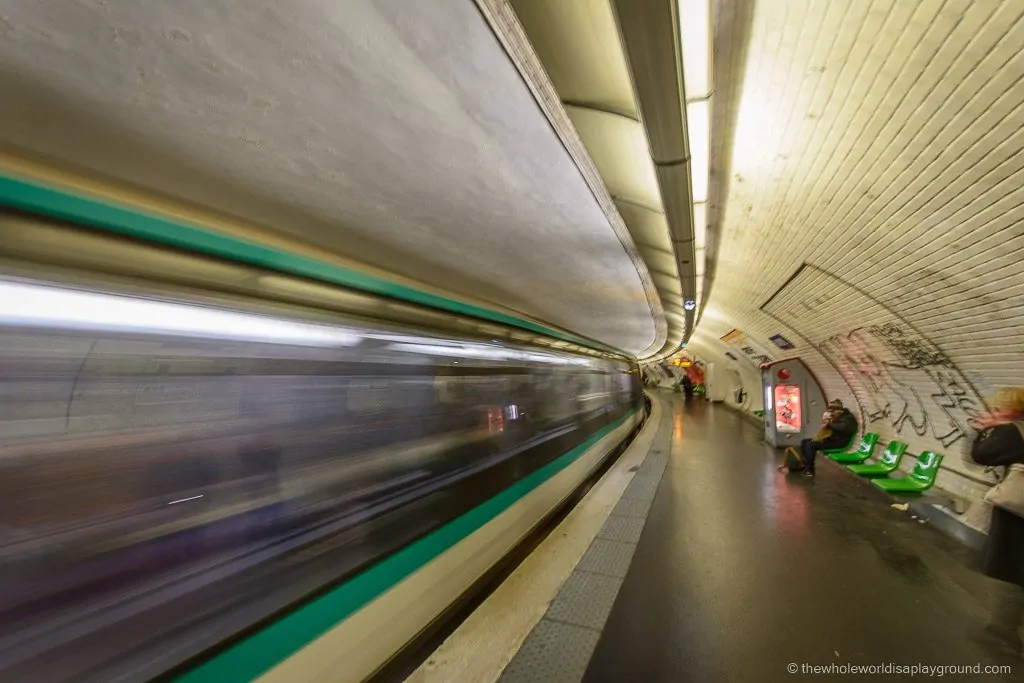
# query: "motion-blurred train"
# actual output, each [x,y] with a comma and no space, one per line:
[182,470]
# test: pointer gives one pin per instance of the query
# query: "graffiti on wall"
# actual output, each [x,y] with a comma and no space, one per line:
[898,375]
[906,381]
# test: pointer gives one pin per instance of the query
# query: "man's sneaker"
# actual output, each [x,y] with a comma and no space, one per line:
[809,475]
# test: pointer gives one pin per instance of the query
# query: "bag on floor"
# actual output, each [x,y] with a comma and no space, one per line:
[794,460]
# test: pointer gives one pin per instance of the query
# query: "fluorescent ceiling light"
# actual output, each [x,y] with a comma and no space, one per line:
[700,225]
[698,127]
[695,35]
[24,304]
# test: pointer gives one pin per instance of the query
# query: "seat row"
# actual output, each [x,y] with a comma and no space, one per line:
[920,479]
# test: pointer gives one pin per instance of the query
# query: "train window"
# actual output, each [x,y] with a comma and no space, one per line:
[446,389]
[377,395]
[168,401]
[365,395]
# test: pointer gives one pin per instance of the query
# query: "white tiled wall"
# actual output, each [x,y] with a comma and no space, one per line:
[874,212]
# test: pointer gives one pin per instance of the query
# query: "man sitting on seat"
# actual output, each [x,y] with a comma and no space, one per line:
[839,428]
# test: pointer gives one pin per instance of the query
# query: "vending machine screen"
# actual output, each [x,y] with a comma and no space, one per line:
[787,409]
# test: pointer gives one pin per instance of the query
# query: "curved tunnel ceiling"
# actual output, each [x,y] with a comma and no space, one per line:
[578,42]
[397,134]
[872,211]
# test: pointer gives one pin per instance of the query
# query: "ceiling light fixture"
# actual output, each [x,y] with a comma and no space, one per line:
[698,128]
[695,32]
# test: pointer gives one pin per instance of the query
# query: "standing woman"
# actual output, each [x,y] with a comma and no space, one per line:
[1000,443]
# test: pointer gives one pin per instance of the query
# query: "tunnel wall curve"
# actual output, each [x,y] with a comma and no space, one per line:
[914,357]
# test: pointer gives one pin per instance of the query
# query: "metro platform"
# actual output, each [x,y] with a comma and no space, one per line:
[693,559]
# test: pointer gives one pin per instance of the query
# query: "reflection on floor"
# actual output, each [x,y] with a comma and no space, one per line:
[742,571]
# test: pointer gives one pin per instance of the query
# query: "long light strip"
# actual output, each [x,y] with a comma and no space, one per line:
[695,33]
[24,304]
[700,225]
[700,235]
[698,128]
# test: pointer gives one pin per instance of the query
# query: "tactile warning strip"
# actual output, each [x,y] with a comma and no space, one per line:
[632,507]
[611,558]
[553,653]
[561,644]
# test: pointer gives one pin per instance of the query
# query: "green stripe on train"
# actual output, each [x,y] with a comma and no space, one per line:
[259,653]
[61,204]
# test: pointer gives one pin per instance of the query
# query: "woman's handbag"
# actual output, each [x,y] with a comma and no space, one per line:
[1008,494]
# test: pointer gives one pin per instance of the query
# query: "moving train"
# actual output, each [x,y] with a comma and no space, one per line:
[213,486]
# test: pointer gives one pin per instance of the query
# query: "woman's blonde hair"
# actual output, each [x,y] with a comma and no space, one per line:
[1009,398]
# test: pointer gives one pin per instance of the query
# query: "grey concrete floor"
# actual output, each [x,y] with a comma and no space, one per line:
[742,571]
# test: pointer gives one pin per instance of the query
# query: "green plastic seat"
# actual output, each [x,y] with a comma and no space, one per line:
[920,479]
[889,461]
[864,451]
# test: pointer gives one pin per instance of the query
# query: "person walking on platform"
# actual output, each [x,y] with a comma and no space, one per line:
[1000,443]
[839,428]
[687,387]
